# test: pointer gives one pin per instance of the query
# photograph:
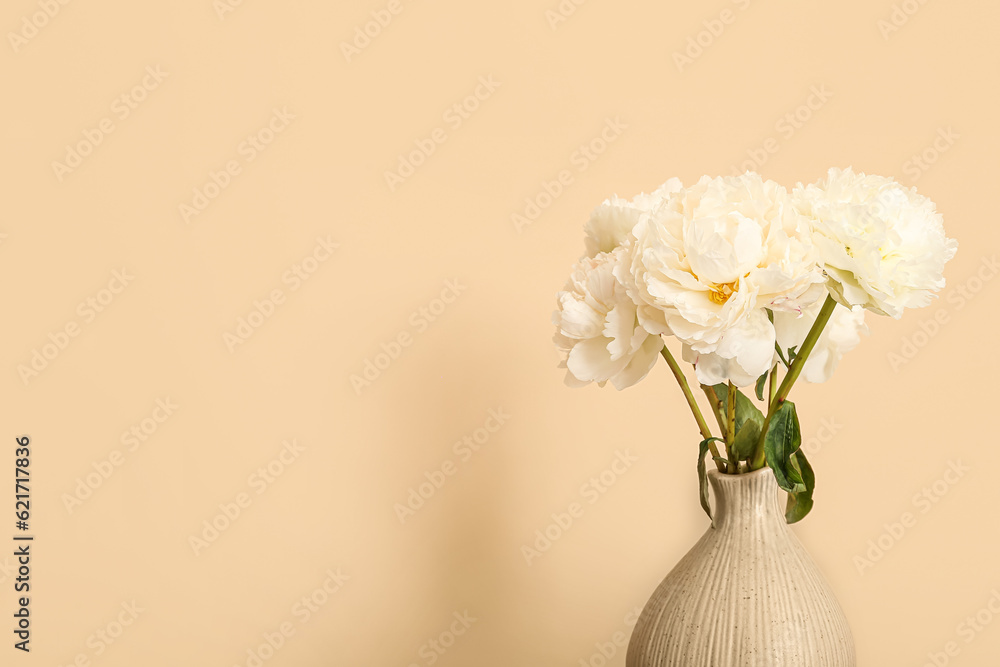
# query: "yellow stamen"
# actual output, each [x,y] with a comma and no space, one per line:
[720,293]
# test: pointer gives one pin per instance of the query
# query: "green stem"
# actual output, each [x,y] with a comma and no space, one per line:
[792,375]
[706,432]
[716,404]
[781,355]
[731,427]
[772,384]
[777,348]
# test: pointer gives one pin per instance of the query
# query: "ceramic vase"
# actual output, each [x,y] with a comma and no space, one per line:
[746,595]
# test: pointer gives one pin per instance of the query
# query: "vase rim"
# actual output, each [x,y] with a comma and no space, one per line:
[748,475]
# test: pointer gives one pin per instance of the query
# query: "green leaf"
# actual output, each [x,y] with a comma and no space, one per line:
[703,475]
[782,440]
[746,438]
[781,355]
[782,446]
[760,386]
[745,409]
[800,501]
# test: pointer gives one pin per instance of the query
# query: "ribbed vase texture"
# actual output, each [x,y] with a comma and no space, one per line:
[746,595]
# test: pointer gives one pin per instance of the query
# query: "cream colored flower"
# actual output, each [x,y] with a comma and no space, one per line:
[881,244]
[841,335]
[742,351]
[705,263]
[597,328]
[612,221]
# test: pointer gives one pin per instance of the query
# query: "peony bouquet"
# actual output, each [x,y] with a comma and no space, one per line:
[760,286]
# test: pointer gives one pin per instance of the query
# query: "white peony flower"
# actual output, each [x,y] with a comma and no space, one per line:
[596,326]
[881,244]
[612,221]
[706,262]
[840,335]
[739,355]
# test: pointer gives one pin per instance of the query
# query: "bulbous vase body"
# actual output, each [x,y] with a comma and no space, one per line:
[746,595]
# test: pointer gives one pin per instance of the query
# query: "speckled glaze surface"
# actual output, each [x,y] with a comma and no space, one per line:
[746,595]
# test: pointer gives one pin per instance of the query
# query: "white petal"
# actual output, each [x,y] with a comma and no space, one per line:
[751,344]
[589,360]
[640,365]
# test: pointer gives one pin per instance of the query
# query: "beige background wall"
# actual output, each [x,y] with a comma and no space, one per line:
[162,349]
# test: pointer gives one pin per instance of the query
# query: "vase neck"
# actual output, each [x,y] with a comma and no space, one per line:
[750,497]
